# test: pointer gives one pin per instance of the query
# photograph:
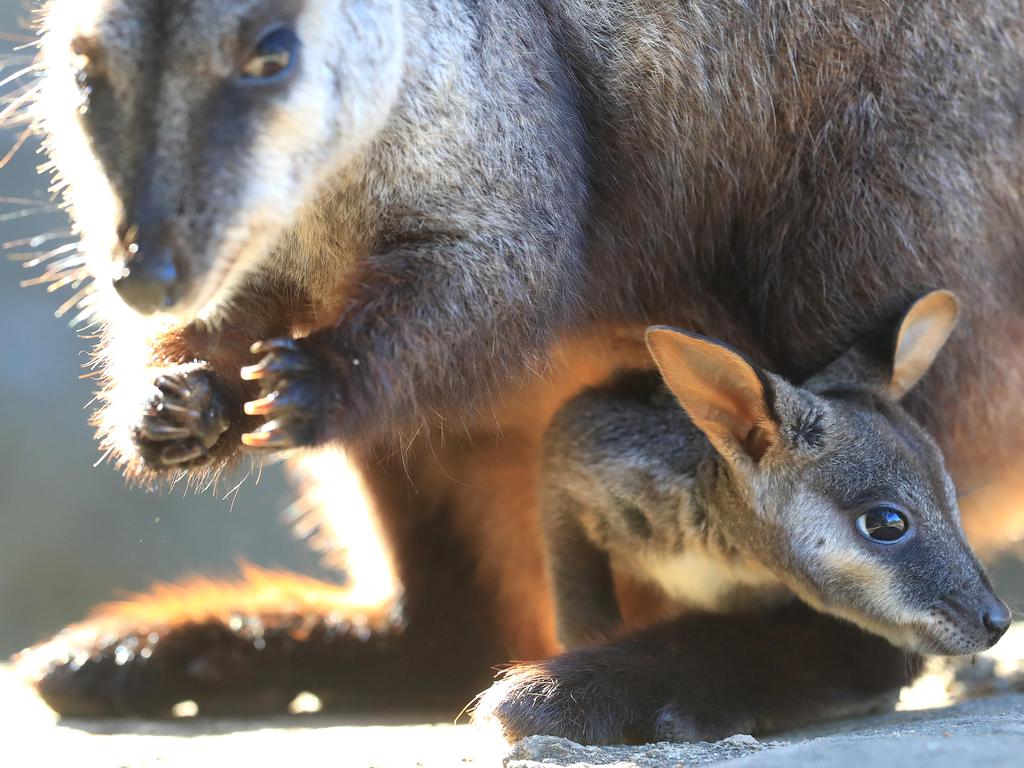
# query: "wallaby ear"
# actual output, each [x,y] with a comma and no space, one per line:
[923,332]
[723,394]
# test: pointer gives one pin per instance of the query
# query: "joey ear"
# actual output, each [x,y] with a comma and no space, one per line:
[895,362]
[723,394]
[922,333]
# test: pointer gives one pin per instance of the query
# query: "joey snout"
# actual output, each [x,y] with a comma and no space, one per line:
[967,622]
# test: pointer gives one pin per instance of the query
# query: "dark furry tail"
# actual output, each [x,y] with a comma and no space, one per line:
[250,647]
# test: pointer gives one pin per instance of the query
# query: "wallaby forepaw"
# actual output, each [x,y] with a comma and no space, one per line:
[183,420]
[291,393]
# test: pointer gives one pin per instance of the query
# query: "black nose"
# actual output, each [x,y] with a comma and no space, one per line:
[996,618]
[151,278]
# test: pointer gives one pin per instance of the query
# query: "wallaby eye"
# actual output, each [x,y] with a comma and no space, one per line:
[273,55]
[88,65]
[884,524]
[85,83]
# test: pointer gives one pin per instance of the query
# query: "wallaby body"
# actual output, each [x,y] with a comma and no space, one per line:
[828,491]
[416,208]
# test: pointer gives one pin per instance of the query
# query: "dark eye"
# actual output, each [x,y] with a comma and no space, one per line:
[93,91]
[883,524]
[273,55]
[89,59]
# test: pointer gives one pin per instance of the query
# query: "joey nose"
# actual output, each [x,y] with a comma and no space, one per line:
[151,279]
[996,618]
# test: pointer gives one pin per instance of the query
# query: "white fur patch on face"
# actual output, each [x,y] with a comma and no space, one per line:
[54,111]
[881,610]
[349,80]
[831,573]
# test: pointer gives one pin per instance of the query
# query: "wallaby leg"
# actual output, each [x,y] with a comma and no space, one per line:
[703,677]
[250,645]
[586,608]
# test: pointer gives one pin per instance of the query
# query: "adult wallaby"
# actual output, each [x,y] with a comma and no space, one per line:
[442,220]
[756,490]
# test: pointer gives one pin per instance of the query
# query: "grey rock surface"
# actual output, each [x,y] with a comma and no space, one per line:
[986,731]
[548,751]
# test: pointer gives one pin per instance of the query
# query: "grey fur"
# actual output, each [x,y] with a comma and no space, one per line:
[448,191]
[632,484]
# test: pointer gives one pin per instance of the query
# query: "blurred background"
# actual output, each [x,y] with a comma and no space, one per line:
[71,534]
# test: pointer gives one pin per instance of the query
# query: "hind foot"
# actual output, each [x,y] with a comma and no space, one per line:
[232,648]
[183,420]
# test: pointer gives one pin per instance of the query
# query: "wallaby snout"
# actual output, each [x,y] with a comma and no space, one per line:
[995,617]
[969,622]
[154,272]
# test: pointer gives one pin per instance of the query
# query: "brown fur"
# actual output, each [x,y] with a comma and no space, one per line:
[785,175]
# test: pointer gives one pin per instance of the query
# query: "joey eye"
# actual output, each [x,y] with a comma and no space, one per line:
[272,56]
[883,524]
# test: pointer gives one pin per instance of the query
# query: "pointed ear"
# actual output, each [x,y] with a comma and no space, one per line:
[922,333]
[724,395]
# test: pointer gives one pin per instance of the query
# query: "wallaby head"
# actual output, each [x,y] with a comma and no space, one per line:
[835,488]
[189,134]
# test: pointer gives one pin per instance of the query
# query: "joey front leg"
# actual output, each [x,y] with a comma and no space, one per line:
[704,677]
[432,330]
[586,608]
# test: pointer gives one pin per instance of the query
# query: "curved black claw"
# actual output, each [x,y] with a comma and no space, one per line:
[183,421]
[290,393]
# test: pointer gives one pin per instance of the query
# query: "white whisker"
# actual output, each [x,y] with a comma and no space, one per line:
[20,73]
